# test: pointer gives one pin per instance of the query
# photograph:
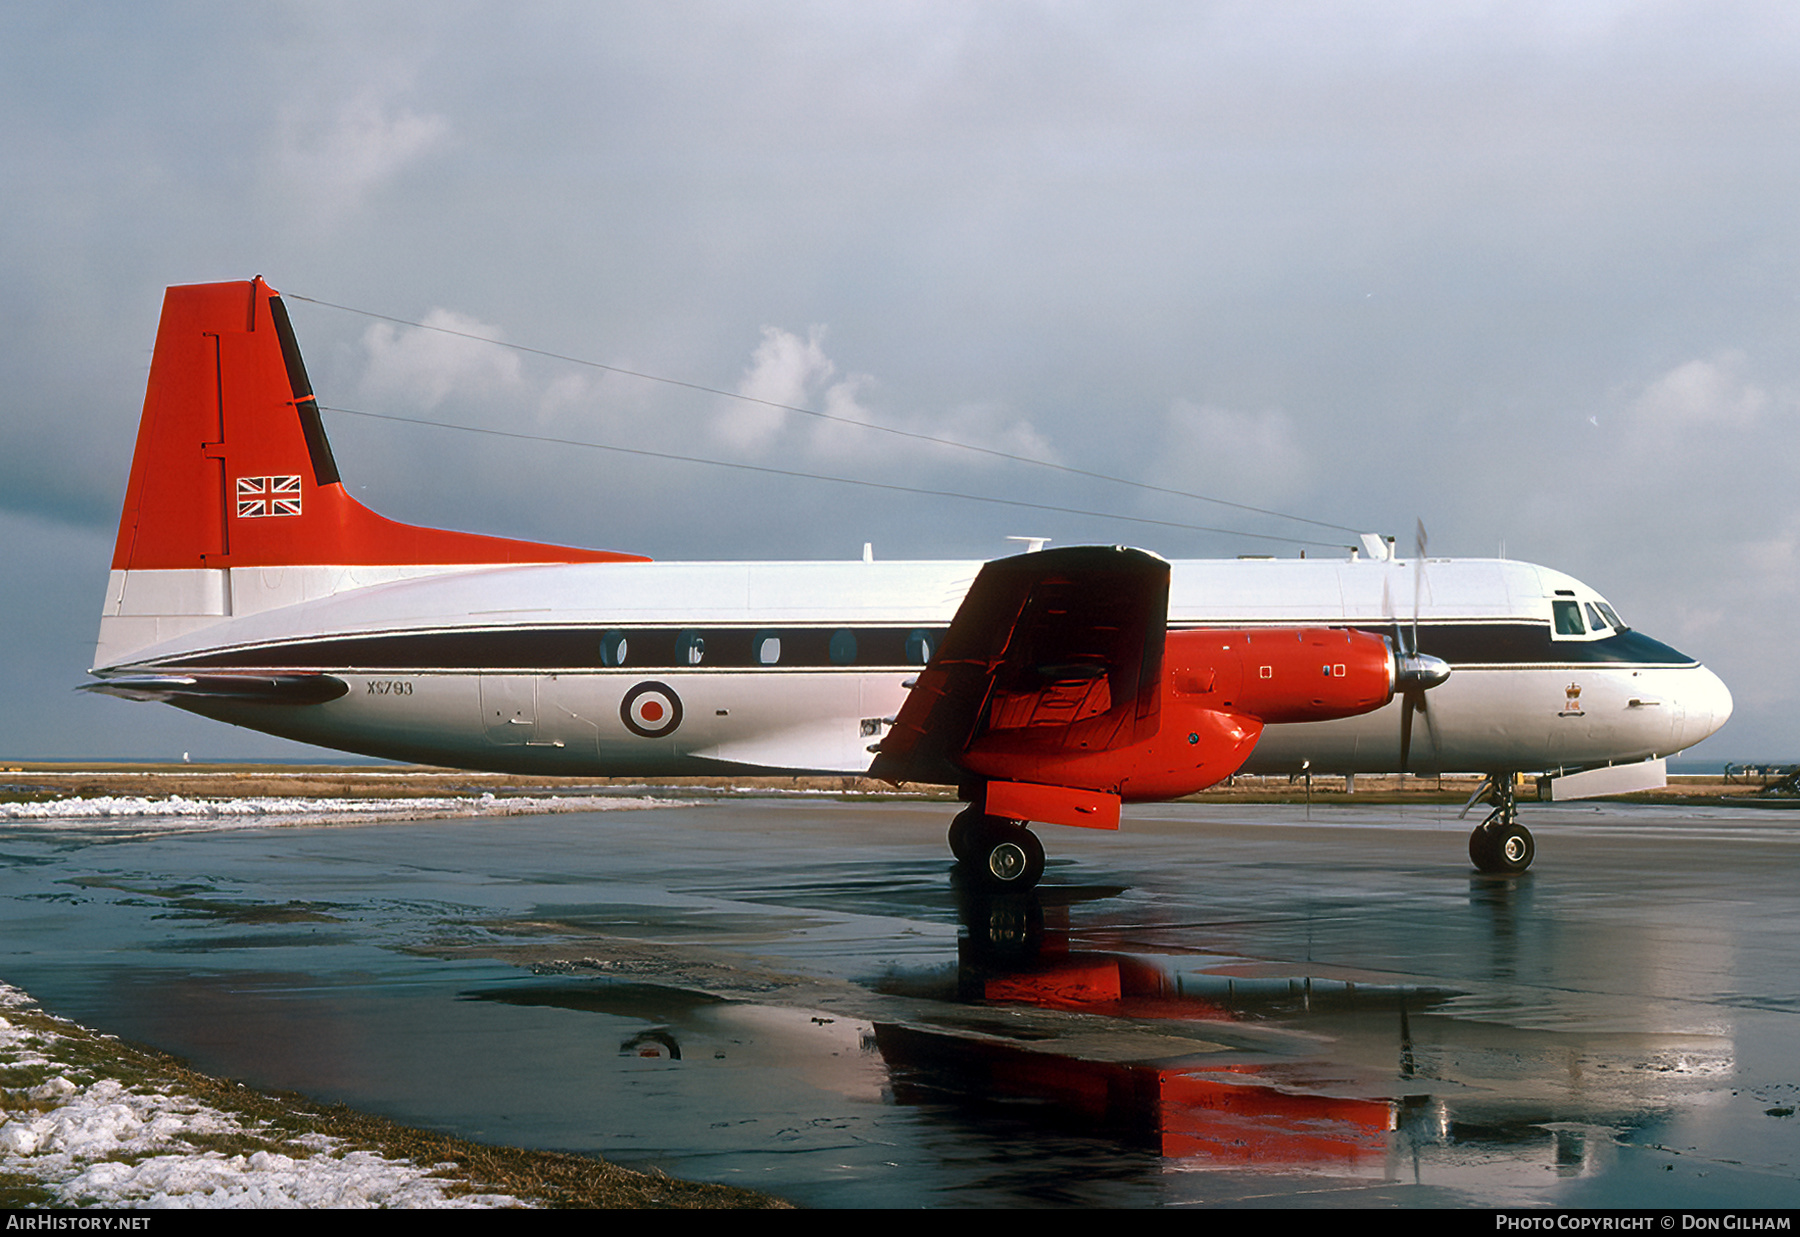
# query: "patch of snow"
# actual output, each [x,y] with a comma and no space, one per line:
[109,1145]
[176,813]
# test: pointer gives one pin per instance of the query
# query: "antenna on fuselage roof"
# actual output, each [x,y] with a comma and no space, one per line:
[1032,544]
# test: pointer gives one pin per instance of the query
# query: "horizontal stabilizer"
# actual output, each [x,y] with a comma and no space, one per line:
[223,688]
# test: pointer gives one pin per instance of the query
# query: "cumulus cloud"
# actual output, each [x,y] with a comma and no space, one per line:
[420,369]
[793,371]
[784,369]
[331,161]
[1228,453]
[992,426]
[1665,463]
[570,392]
[1709,395]
[1678,502]
[1704,430]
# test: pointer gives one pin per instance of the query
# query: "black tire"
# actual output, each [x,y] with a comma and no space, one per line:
[963,831]
[1008,858]
[1502,849]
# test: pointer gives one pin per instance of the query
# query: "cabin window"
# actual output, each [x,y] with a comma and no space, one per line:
[768,648]
[612,649]
[690,648]
[918,647]
[843,647]
[1568,618]
[1612,617]
[1594,620]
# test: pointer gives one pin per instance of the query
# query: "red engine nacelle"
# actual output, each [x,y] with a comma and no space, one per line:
[1280,674]
[1218,690]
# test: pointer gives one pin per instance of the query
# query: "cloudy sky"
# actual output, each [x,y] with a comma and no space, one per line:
[1528,272]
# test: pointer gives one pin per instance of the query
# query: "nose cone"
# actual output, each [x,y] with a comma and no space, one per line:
[1706,705]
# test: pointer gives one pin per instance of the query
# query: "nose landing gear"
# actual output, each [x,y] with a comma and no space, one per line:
[1500,845]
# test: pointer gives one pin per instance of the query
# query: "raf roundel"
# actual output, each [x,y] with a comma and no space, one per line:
[651,710]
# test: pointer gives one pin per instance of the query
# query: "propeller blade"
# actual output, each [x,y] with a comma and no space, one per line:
[1418,578]
[1415,673]
[1402,650]
[1406,715]
[1431,733]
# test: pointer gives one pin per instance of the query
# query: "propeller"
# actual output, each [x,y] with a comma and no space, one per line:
[1415,673]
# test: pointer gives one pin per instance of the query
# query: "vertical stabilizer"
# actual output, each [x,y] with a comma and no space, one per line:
[233,471]
[232,467]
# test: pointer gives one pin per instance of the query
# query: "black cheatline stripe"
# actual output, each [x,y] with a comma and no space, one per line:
[1507,642]
[588,648]
[737,647]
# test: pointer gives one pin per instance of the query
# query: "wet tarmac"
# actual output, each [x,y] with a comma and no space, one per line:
[1218,1005]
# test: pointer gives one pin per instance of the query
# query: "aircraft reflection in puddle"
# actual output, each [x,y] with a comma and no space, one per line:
[1292,1074]
[1207,1060]
[1180,1112]
[1197,1105]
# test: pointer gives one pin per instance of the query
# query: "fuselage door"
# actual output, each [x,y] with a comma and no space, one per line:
[509,707]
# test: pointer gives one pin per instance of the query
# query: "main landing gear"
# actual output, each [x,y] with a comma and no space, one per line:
[1003,855]
[1500,844]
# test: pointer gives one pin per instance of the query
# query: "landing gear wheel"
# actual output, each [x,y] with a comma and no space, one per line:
[1003,856]
[1010,859]
[1500,847]
[962,834]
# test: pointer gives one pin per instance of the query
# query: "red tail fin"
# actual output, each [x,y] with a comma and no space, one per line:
[232,468]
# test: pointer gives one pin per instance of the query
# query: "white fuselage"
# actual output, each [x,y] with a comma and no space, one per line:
[673,668]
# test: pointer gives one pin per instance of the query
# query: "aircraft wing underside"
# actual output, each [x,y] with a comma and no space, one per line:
[1059,650]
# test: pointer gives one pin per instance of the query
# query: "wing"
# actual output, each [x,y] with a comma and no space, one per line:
[1059,692]
[1059,650]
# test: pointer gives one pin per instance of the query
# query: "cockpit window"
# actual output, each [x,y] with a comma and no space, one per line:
[1568,618]
[1612,618]
[1594,619]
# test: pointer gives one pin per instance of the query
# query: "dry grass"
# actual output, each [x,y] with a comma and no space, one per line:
[39,781]
[32,781]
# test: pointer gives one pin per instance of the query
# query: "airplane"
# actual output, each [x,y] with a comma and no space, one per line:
[248,586]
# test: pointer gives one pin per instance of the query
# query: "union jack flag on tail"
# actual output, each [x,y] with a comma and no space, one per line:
[259,496]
